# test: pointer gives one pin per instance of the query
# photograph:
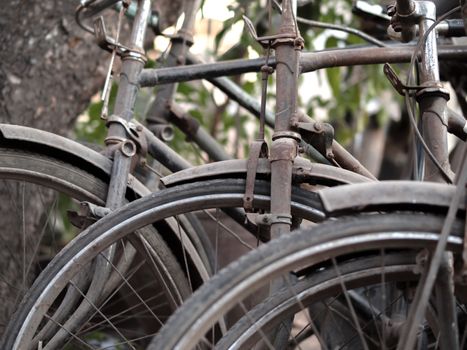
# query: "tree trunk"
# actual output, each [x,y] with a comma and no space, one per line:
[49,70]
[49,67]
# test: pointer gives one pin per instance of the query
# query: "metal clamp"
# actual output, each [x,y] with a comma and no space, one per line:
[104,41]
[87,214]
[270,219]
[136,142]
[413,90]
[183,36]
[319,135]
[109,44]
[270,40]
[397,84]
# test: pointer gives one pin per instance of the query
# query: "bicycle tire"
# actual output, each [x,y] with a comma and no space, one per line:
[282,305]
[169,202]
[35,167]
[332,239]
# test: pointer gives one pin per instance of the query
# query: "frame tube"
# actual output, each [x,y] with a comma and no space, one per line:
[309,62]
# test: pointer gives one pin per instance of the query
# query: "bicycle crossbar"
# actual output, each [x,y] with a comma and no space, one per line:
[309,62]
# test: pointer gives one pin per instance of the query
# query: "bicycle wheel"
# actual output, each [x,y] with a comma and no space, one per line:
[27,179]
[359,271]
[31,177]
[63,272]
[325,254]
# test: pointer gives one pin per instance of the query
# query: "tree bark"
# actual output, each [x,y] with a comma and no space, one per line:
[49,67]
[49,70]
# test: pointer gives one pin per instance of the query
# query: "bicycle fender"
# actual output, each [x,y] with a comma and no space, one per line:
[62,148]
[399,195]
[303,172]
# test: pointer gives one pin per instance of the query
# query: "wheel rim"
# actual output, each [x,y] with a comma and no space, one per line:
[186,328]
[116,232]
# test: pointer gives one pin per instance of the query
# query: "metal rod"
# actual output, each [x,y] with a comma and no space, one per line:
[163,153]
[251,104]
[372,55]
[139,25]
[124,103]
[195,132]
[349,162]
[209,145]
[153,77]
[433,99]
[235,92]
[446,304]
[309,62]
[180,44]
[128,87]
[284,140]
[457,125]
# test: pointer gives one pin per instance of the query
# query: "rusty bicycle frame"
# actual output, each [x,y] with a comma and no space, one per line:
[289,62]
[216,73]
[125,139]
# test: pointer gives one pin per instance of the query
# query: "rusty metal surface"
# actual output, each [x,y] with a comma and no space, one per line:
[303,172]
[371,55]
[196,133]
[309,62]
[38,138]
[434,123]
[321,174]
[400,193]
[180,44]
[284,148]
[217,169]
[349,162]
[258,150]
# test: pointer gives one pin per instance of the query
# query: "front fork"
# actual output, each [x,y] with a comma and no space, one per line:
[431,95]
[284,148]
[432,99]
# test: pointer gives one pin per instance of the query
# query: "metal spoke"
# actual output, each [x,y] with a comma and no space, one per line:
[258,329]
[133,290]
[161,279]
[99,312]
[302,307]
[235,235]
[349,304]
[185,260]
[117,316]
[216,245]
[23,233]
[70,333]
